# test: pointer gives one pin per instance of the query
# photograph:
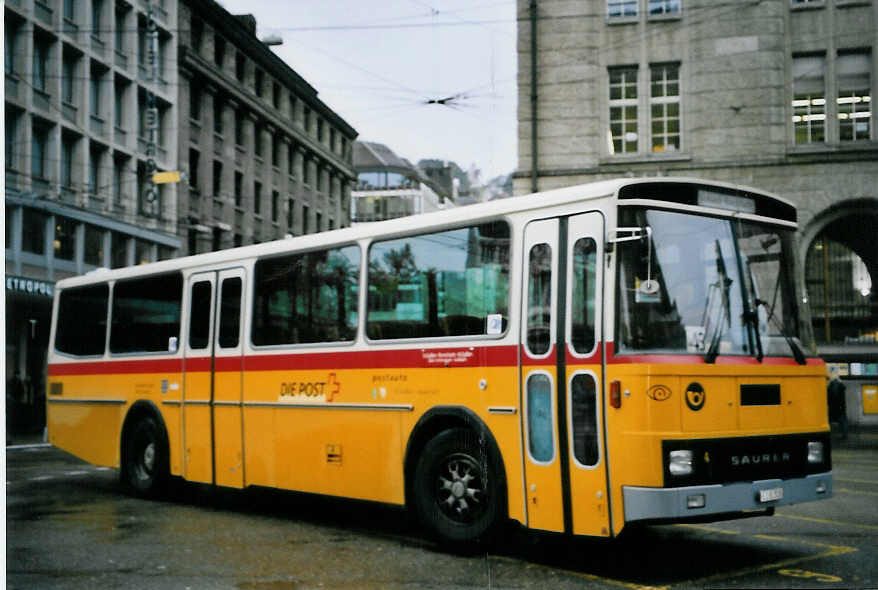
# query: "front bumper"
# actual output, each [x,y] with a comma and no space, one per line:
[673,503]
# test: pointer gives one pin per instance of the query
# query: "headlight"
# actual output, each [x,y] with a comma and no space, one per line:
[681,462]
[815,452]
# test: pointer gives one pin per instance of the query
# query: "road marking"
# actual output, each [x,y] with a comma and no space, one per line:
[587,576]
[831,551]
[826,521]
[858,492]
[816,576]
[27,447]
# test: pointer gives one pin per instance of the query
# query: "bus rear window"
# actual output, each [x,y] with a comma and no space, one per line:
[450,283]
[146,314]
[82,320]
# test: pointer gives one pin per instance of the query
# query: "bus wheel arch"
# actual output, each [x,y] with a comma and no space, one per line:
[443,436]
[144,450]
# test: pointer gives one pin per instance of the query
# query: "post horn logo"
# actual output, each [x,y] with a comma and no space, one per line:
[659,392]
[695,396]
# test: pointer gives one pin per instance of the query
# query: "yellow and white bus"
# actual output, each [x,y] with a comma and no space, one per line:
[576,360]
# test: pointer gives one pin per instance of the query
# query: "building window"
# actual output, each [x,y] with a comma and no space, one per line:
[318,222]
[196,25]
[239,188]
[664,100]
[809,99]
[257,140]
[120,30]
[41,58]
[621,8]
[95,94]
[39,145]
[275,95]
[118,173]
[239,127]
[257,198]
[93,253]
[218,115]
[219,51]
[33,231]
[293,103]
[119,106]
[194,102]
[68,144]
[258,82]
[9,46]
[320,130]
[97,9]
[275,205]
[64,242]
[305,215]
[217,178]
[623,110]
[275,151]
[663,7]
[306,120]
[306,172]
[291,212]
[11,133]
[240,66]
[854,96]
[94,164]
[193,169]
[68,79]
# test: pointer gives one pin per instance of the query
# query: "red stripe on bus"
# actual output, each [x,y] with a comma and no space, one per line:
[116,367]
[467,356]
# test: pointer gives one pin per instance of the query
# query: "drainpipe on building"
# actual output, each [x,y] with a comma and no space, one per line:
[534,159]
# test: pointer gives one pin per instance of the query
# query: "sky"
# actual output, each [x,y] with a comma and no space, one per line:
[378,64]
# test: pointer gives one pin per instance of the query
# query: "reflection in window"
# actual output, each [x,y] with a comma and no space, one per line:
[451,283]
[539,299]
[146,313]
[583,303]
[310,297]
[65,238]
[540,436]
[659,7]
[584,418]
[33,231]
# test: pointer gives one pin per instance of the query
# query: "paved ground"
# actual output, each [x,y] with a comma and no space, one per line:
[69,525]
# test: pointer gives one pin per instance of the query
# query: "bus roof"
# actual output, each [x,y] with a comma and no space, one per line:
[403,225]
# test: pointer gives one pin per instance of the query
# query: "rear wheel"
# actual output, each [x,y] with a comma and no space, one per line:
[145,464]
[458,494]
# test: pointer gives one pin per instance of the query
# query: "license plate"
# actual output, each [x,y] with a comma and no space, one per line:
[770,495]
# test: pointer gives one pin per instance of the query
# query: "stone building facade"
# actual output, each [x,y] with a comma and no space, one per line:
[77,77]
[775,94]
[263,155]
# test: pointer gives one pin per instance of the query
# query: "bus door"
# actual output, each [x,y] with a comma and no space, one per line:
[212,391]
[565,477]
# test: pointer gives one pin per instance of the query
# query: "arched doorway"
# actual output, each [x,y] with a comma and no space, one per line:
[841,274]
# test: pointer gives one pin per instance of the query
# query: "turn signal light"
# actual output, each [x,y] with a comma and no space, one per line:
[616,394]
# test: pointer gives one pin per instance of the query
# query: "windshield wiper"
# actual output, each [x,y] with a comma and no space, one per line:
[798,354]
[723,283]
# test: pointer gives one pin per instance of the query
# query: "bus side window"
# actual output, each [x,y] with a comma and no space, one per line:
[82,320]
[539,299]
[583,304]
[584,418]
[230,313]
[146,313]
[199,315]
[540,437]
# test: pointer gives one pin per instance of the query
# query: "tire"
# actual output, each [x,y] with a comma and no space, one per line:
[145,463]
[458,493]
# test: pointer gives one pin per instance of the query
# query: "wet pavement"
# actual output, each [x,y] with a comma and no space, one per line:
[70,525]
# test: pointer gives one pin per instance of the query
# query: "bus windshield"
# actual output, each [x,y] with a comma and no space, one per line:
[709,286]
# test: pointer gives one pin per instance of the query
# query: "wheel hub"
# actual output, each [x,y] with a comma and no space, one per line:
[460,488]
[149,457]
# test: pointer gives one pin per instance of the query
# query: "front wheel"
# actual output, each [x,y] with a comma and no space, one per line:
[145,462]
[458,494]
